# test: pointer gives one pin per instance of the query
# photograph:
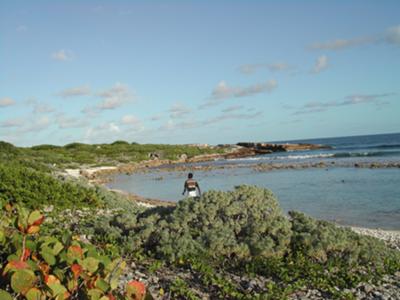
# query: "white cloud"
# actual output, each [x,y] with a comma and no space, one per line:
[39,107]
[65,122]
[62,55]
[222,90]
[339,44]
[75,92]
[321,64]
[113,127]
[170,125]
[103,133]
[232,108]
[393,35]
[37,125]
[178,110]
[273,67]
[17,122]
[156,117]
[6,102]
[130,120]
[115,97]
[356,99]
[90,111]
[232,116]
[389,36]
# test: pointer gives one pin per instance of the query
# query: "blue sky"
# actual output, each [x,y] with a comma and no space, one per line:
[197,72]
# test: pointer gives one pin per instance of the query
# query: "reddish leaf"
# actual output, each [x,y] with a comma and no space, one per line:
[75,251]
[38,221]
[76,269]
[21,227]
[135,290]
[111,297]
[15,265]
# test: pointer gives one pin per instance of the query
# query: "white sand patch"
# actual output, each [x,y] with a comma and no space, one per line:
[76,173]
[91,171]
[145,204]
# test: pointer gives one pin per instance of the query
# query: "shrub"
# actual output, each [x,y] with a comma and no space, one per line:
[43,267]
[33,188]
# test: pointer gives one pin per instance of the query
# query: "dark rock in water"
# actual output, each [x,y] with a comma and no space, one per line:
[269,148]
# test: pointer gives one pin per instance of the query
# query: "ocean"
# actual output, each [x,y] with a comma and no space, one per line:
[339,192]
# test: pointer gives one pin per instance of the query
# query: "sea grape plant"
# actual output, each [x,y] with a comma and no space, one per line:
[35,267]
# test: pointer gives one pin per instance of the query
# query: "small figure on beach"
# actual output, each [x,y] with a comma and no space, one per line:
[191,186]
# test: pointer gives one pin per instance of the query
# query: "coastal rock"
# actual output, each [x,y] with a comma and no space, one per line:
[263,148]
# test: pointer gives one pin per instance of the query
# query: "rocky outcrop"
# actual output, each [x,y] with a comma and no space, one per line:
[264,148]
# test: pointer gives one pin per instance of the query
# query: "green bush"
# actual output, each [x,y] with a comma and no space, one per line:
[322,241]
[33,188]
[243,223]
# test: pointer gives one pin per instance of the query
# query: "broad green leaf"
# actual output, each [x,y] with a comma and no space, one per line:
[58,247]
[102,285]
[57,288]
[95,294]
[90,264]
[22,281]
[48,257]
[35,217]
[34,294]
[5,295]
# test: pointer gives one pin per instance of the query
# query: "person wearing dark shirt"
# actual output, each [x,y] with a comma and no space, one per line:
[191,186]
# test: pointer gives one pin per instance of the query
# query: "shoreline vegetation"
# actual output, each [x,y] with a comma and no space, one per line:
[227,245]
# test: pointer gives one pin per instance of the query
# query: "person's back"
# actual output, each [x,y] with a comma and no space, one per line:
[190,186]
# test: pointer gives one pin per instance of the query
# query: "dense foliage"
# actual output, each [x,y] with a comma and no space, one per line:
[37,267]
[33,188]
[246,222]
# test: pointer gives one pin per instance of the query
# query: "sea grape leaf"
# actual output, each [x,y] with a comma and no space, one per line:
[90,264]
[22,281]
[48,257]
[95,294]
[5,295]
[135,290]
[35,218]
[57,289]
[58,247]
[102,285]
[34,294]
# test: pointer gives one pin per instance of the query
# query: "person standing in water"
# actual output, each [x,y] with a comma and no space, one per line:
[191,186]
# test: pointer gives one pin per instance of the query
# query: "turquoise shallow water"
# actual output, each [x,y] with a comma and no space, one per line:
[350,196]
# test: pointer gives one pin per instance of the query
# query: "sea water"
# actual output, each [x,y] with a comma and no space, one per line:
[345,195]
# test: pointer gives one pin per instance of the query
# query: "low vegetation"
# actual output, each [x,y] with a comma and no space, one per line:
[63,239]
[50,157]
[242,233]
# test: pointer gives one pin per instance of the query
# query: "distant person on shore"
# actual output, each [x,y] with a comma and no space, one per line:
[191,186]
